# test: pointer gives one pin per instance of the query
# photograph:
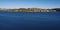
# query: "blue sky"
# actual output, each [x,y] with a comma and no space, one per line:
[29,3]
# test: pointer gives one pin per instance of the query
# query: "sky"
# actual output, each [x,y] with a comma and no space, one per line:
[29,3]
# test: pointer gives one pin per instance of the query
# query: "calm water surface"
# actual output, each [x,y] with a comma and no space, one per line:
[30,21]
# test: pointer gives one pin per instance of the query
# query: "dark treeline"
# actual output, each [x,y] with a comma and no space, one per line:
[57,9]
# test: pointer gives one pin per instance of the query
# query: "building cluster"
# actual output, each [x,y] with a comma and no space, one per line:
[31,10]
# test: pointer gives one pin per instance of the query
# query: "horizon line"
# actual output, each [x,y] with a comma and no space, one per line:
[28,7]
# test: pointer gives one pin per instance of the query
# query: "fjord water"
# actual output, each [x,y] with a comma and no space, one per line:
[29,20]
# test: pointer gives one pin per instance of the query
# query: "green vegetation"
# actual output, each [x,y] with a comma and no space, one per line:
[31,10]
[57,9]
